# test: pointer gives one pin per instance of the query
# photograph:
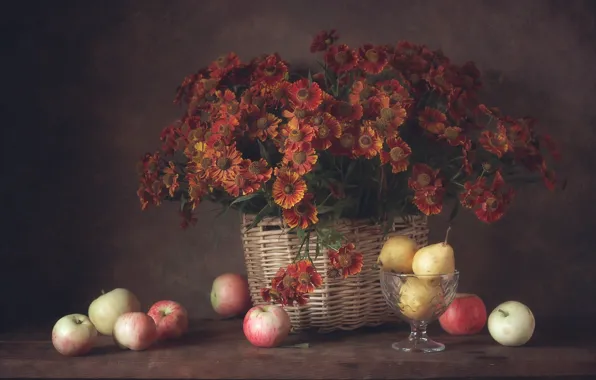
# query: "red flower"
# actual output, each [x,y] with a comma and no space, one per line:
[305,95]
[497,142]
[432,120]
[345,260]
[341,58]
[283,288]
[493,202]
[423,176]
[303,214]
[301,159]
[470,197]
[454,136]
[223,65]
[368,143]
[323,40]
[270,71]
[373,59]
[398,155]
[327,129]
[429,200]
[308,277]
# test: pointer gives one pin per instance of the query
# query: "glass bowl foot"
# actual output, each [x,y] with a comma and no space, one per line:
[425,345]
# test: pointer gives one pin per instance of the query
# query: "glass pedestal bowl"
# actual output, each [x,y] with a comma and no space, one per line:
[419,300]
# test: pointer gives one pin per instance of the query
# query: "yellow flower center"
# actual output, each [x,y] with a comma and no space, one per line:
[223,163]
[347,140]
[317,120]
[288,189]
[233,108]
[341,57]
[262,123]
[430,199]
[218,145]
[423,179]
[299,158]
[491,203]
[451,133]
[345,260]
[221,62]
[288,281]
[270,70]
[387,88]
[296,135]
[239,180]
[396,154]
[254,168]
[365,141]
[387,113]
[372,55]
[304,278]
[300,113]
[302,94]
[323,131]
[206,162]
[300,209]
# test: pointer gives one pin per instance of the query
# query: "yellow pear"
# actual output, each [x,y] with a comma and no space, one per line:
[418,299]
[434,259]
[397,254]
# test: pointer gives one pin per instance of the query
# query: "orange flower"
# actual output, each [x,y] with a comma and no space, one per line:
[303,214]
[398,155]
[303,94]
[345,111]
[308,277]
[454,136]
[323,40]
[470,197]
[263,125]
[259,171]
[423,176]
[238,183]
[197,189]
[495,143]
[341,58]
[326,128]
[230,107]
[394,114]
[395,91]
[301,159]
[368,143]
[345,260]
[432,120]
[346,143]
[226,164]
[223,65]
[225,127]
[295,137]
[494,201]
[373,59]
[170,178]
[296,117]
[289,188]
[284,288]
[429,200]
[270,71]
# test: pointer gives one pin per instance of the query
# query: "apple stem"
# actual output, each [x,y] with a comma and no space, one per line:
[505,314]
[447,235]
[103,291]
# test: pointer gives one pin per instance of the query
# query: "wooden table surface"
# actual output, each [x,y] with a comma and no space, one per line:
[218,349]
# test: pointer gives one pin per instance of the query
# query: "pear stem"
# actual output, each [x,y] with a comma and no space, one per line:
[447,235]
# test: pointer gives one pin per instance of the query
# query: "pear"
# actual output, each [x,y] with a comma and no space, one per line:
[105,309]
[397,254]
[434,259]
[418,299]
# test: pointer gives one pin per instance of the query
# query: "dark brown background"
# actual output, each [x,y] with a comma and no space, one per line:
[88,86]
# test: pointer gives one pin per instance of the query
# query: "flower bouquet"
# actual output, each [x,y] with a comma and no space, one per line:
[375,133]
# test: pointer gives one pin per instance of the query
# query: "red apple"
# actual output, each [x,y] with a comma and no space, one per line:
[266,325]
[465,316]
[135,331]
[171,319]
[74,335]
[230,295]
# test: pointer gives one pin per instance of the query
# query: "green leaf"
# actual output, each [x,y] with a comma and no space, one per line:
[263,152]
[245,198]
[324,209]
[351,168]
[454,211]
[261,214]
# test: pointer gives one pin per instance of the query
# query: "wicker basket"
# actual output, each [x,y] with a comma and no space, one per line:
[340,304]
